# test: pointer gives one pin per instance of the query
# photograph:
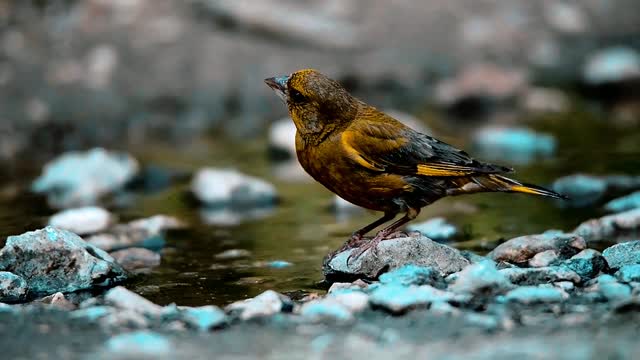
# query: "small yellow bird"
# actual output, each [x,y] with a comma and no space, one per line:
[374,161]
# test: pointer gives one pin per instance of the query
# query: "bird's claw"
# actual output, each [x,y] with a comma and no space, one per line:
[371,245]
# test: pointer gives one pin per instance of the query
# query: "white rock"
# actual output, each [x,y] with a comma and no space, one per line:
[82,221]
[230,187]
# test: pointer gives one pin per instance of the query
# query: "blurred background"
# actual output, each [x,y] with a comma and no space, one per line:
[548,86]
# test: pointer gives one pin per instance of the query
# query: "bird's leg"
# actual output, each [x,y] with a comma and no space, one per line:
[357,237]
[384,233]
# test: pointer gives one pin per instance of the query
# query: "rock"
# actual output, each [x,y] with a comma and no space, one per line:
[82,221]
[545,100]
[629,273]
[266,304]
[58,300]
[227,187]
[232,217]
[481,81]
[519,250]
[57,260]
[437,229]
[398,299]
[585,190]
[412,275]
[535,294]
[278,264]
[232,254]
[518,145]
[481,278]
[607,288]
[544,258]
[564,285]
[13,288]
[565,17]
[355,301]
[612,65]
[124,299]
[312,25]
[146,233]
[617,227]
[348,287]
[82,178]
[619,255]
[392,254]
[543,275]
[588,263]
[92,313]
[204,318]
[136,258]
[139,344]
[327,308]
[282,139]
[625,203]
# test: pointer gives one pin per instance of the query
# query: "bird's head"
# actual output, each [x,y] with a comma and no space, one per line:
[315,102]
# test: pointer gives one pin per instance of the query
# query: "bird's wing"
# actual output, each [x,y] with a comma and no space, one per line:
[386,145]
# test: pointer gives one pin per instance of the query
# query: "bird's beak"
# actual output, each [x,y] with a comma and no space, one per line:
[279,85]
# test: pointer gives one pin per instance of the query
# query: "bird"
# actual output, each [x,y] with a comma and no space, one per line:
[376,162]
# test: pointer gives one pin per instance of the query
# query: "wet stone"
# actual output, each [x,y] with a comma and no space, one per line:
[588,263]
[82,221]
[139,344]
[399,299]
[607,288]
[535,294]
[227,187]
[392,254]
[481,278]
[13,288]
[57,260]
[354,300]
[625,203]
[619,255]
[233,254]
[544,258]
[629,273]
[519,250]
[204,318]
[136,258]
[326,309]
[519,145]
[543,275]
[437,229]
[58,300]
[266,304]
[412,275]
[619,227]
[82,178]
[125,299]
[584,190]
[146,233]
[612,65]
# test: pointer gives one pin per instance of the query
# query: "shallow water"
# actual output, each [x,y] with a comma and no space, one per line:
[302,229]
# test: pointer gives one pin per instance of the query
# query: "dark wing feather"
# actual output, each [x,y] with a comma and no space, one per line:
[379,142]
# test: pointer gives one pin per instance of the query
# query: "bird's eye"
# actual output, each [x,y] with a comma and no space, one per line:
[296,96]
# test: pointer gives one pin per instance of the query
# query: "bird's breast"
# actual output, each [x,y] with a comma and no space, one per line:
[331,166]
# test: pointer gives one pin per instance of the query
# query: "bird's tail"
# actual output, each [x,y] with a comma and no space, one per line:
[496,182]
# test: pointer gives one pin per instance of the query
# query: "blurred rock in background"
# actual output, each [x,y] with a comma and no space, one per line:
[80,73]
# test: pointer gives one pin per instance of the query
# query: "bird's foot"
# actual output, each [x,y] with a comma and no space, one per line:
[371,245]
[395,235]
[354,241]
